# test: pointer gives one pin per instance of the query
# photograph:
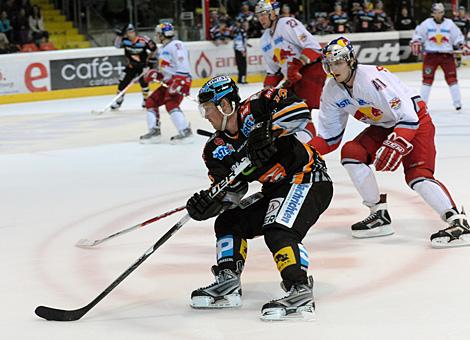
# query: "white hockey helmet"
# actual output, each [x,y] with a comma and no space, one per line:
[166,29]
[437,7]
[267,6]
[338,49]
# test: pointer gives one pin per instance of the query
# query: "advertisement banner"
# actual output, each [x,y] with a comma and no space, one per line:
[86,72]
[24,76]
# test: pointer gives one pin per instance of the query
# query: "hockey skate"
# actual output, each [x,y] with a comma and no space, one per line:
[152,137]
[378,223]
[457,234]
[225,292]
[117,104]
[183,137]
[297,305]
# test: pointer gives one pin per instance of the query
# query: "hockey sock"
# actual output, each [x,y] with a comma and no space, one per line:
[434,195]
[364,180]
[231,250]
[425,91]
[153,119]
[178,118]
[455,93]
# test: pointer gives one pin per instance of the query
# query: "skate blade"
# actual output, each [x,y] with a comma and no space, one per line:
[385,230]
[207,302]
[183,141]
[443,242]
[85,243]
[154,140]
[304,314]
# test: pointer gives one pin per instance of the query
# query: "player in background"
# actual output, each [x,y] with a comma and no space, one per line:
[240,47]
[296,190]
[175,72]
[401,132]
[437,37]
[462,21]
[290,51]
[140,52]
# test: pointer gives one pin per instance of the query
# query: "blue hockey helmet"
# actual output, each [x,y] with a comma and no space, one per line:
[338,49]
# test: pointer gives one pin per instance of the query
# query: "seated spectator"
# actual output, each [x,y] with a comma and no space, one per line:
[245,13]
[26,5]
[365,18]
[36,25]
[9,7]
[382,20]
[220,33]
[322,26]
[5,26]
[285,11]
[339,19]
[404,21]
[21,25]
[462,20]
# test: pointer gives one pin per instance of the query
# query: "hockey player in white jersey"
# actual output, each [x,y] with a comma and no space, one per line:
[174,72]
[401,132]
[290,51]
[437,38]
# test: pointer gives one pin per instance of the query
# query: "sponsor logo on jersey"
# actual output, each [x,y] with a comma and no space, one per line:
[292,204]
[248,124]
[218,141]
[225,247]
[222,151]
[362,101]
[267,47]
[439,39]
[280,56]
[284,257]
[368,112]
[343,103]
[395,103]
[278,40]
[273,210]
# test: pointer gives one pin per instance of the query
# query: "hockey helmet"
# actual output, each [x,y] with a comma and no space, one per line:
[129,28]
[215,90]
[338,49]
[437,7]
[267,6]
[166,29]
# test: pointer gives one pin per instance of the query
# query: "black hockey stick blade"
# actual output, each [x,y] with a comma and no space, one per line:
[53,314]
[204,133]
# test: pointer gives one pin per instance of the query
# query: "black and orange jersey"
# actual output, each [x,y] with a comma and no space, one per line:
[294,161]
[137,50]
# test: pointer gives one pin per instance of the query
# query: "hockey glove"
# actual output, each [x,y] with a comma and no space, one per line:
[118,31]
[465,49]
[293,70]
[260,145]
[416,47]
[388,156]
[152,75]
[201,206]
[179,85]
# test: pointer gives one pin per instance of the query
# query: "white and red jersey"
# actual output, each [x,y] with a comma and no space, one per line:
[173,59]
[438,38]
[377,97]
[289,40]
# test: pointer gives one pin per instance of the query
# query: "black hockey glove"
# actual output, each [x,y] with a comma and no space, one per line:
[201,206]
[118,31]
[260,145]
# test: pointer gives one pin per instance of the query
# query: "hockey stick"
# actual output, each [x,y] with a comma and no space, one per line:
[49,313]
[119,95]
[86,243]
[204,133]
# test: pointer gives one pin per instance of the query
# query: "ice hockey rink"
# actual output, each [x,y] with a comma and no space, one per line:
[67,174]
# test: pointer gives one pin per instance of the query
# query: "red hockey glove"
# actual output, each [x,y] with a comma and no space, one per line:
[416,47]
[388,156]
[293,70]
[179,85]
[153,75]
[271,80]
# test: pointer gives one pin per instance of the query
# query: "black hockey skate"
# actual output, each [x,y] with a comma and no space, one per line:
[183,137]
[378,223]
[152,137]
[117,104]
[297,305]
[457,234]
[225,292]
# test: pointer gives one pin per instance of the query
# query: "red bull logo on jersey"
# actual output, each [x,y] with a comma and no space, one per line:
[280,56]
[439,39]
[368,113]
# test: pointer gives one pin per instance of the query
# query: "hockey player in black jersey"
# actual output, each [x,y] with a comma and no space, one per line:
[140,52]
[296,191]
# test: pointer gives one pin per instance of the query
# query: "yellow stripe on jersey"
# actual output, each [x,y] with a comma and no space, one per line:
[288,109]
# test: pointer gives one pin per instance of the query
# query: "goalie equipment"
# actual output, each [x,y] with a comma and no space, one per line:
[297,305]
[378,223]
[457,234]
[225,292]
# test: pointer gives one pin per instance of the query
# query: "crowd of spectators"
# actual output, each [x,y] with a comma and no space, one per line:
[365,16]
[20,24]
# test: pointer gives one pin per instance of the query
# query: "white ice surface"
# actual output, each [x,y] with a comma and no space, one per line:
[66,175]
